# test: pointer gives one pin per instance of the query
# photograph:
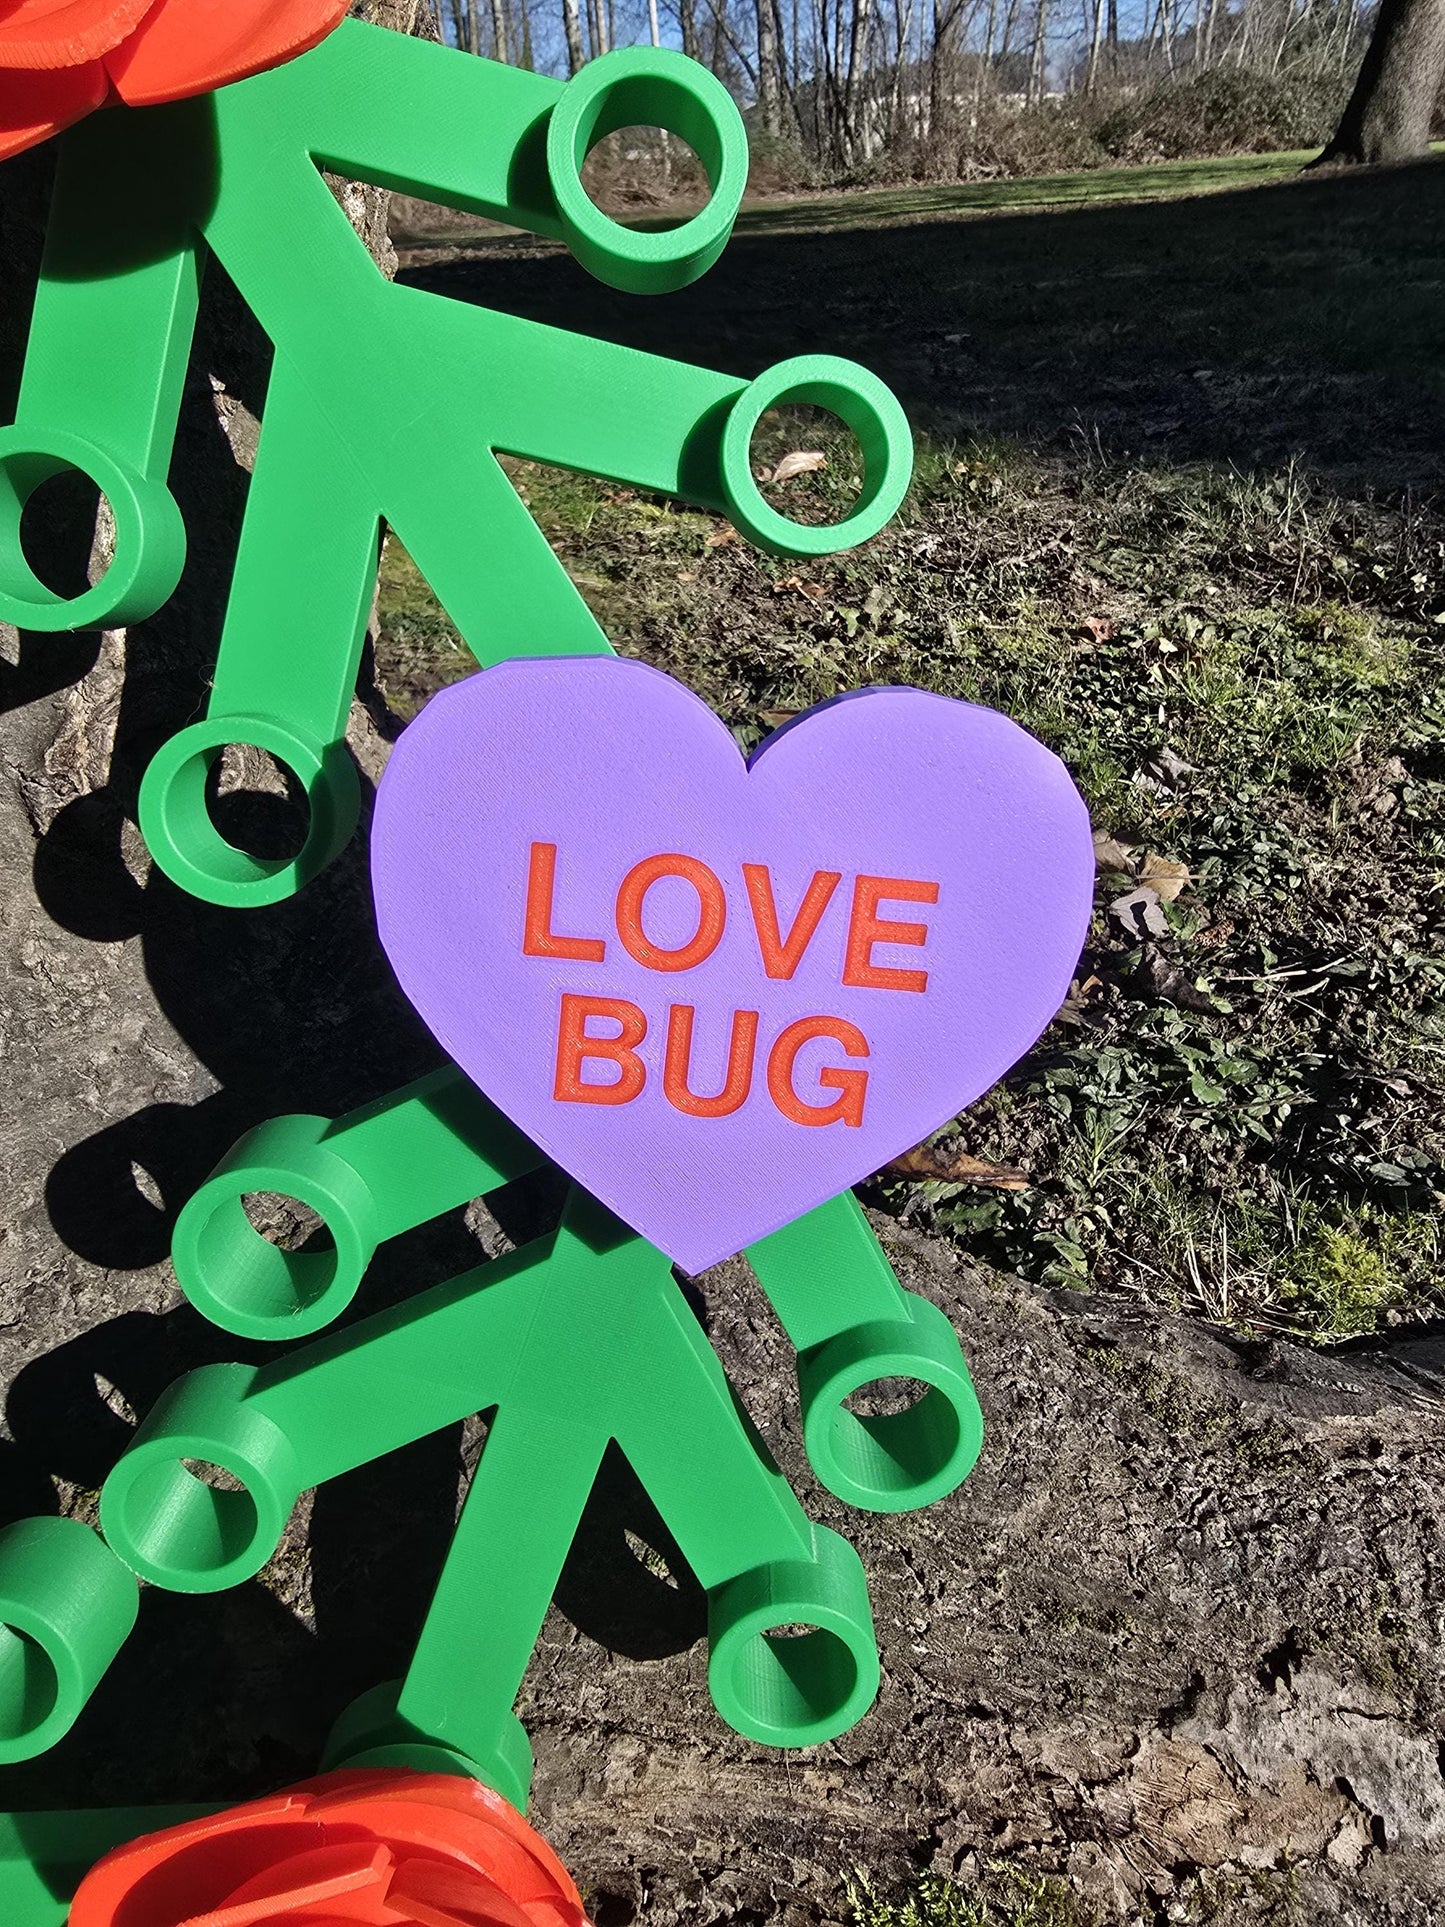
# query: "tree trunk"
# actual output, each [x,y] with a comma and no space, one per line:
[1207,50]
[1038,63]
[769,92]
[500,48]
[687,19]
[1095,41]
[1388,116]
[572,28]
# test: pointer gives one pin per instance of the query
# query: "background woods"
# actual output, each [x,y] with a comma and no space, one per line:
[938,89]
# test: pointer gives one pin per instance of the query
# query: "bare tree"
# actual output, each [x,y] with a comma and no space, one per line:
[1038,61]
[769,90]
[1095,41]
[572,29]
[1388,114]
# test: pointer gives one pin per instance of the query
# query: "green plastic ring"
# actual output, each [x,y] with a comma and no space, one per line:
[150,536]
[647,87]
[244,1283]
[67,1606]
[898,1461]
[873,413]
[794,1689]
[180,835]
[170,1526]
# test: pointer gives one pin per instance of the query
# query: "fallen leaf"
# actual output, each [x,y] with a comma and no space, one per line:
[1216,934]
[1111,853]
[1098,628]
[721,537]
[1140,914]
[687,575]
[1174,986]
[957,1167]
[1076,1003]
[775,718]
[1166,767]
[814,591]
[801,462]
[1164,876]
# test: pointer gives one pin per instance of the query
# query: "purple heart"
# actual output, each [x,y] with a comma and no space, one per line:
[718,992]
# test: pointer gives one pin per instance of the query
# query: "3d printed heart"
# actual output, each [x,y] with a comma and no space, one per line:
[718,992]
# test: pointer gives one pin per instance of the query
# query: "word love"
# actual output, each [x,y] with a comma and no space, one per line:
[778,956]
[660,960]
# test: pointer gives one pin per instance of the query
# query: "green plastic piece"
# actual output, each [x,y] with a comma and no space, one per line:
[577,1340]
[45,1856]
[67,1606]
[384,401]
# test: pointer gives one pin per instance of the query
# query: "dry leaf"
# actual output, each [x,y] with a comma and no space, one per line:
[1165,877]
[775,718]
[1077,1002]
[800,462]
[1167,767]
[814,591]
[1216,934]
[1175,987]
[721,537]
[1112,853]
[1098,628]
[1140,914]
[957,1167]
[687,575]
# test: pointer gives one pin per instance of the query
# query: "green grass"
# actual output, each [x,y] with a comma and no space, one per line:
[1014,1899]
[1217,588]
[891,206]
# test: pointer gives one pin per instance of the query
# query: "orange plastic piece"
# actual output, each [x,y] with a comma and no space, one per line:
[34,104]
[185,47]
[59,59]
[377,1847]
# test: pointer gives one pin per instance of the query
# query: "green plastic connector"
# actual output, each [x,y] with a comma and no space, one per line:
[439,1143]
[384,401]
[578,1340]
[67,1606]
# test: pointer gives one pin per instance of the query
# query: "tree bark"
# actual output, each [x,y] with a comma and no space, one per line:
[500,47]
[1389,112]
[1038,62]
[687,20]
[769,92]
[572,27]
[1095,41]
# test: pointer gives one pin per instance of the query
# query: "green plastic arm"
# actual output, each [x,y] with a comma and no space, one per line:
[853,1325]
[379,1171]
[404,113]
[579,1339]
[111,330]
[400,410]
[441,1144]
[494,140]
